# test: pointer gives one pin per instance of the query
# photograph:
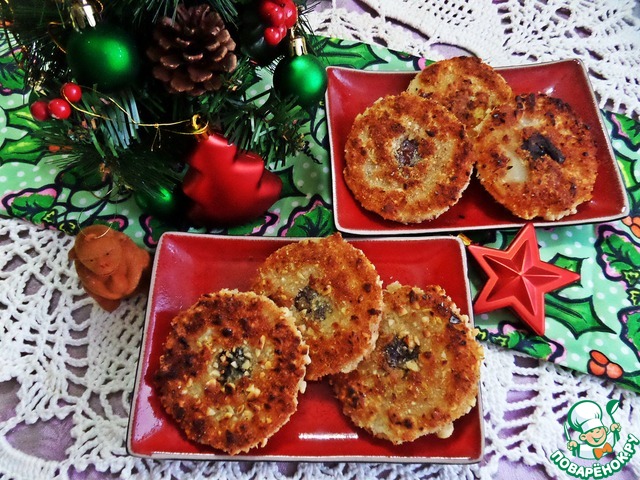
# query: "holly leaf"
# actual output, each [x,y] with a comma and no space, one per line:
[35,206]
[318,131]
[577,315]
[627,168]
[533,345]
[313,220]
[630,381]
[8,132]
[11,75]
[617,254]
[348,54]
[153,229]
[508,336]
[630,320]
[568,263]
[16,139]
[256,227]
[634,296]
[627,130]
[289,188]
[27,150]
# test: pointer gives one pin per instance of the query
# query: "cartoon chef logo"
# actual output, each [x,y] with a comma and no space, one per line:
[597,432]
[592,434]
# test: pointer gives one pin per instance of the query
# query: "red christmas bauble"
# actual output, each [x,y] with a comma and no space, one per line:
[40,110]
[71,92]
[226,186]
[59,109]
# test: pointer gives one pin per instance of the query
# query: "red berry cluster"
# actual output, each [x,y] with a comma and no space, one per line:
[279,16]
[58,108]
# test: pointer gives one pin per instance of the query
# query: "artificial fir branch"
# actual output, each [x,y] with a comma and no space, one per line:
[267,125]
[304,28]
[10,72]
[138,136]
[264,129]
[161,169]
[141,11]
[34,25]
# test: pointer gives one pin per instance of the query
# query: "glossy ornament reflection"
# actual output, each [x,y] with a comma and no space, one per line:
[104,55]
[301,74]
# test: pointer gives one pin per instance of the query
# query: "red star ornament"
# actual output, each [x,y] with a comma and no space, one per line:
[518,279]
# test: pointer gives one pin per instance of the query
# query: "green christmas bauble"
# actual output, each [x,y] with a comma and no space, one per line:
[303,76]
[104,55]
[162,202]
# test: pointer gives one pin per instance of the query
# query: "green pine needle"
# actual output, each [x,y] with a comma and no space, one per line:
[141,135]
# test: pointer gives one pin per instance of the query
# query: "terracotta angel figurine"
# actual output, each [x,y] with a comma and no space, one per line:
[110,265]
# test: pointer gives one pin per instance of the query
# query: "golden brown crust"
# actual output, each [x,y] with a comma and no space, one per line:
[335,295]
[232,367]
[537,158]
[407,159]
[423,373]
[466,86]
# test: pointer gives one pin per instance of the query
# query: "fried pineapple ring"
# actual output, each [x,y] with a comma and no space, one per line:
[232,367]
[407,159]
[423,373]
[537,158]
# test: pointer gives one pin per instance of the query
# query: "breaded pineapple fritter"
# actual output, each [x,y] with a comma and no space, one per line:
[466,86]
[335,295]
[407,159]
[537,158]
[231,370]
[423,374]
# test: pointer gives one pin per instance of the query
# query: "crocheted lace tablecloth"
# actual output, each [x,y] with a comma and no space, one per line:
[605,35]
[67,368]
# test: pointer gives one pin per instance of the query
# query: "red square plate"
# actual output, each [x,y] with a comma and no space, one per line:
[350,92]
[188,265]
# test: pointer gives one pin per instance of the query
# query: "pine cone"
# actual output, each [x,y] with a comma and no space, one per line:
[193,52]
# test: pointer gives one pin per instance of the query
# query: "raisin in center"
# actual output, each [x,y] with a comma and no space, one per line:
[234,365]
[398,353]
[407,153]
[538,146]
[316,306]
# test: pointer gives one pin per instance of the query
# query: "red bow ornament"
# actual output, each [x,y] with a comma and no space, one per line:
[227,187]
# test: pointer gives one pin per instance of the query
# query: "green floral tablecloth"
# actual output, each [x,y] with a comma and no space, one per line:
[598,318]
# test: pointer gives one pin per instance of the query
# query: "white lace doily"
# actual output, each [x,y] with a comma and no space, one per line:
[67,368]
[604,34]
